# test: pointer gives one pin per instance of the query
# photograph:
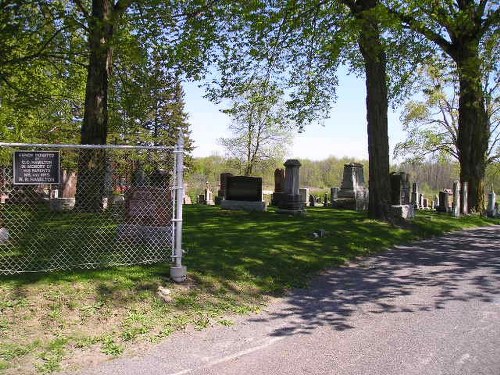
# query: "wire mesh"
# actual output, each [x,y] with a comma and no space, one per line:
[100,207]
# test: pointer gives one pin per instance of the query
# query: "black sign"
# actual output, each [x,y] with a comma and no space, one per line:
[36,167]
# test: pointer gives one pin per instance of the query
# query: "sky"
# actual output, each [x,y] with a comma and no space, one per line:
[343,134]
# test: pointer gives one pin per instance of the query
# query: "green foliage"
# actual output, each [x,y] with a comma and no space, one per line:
[260,129]
[41,79]
[148,105]
[461,29]
[110,347]
[431,123]
[53,355]
[43,68]
[291,45]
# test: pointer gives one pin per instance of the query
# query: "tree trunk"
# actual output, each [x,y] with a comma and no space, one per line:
[91,163]
[473,126]
[376,110]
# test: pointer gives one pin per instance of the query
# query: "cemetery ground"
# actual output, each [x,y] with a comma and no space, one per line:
[237,261]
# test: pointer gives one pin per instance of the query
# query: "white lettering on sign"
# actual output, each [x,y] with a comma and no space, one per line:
[36,167]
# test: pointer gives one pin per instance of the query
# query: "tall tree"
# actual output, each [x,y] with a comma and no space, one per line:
[431,123]
[260,129]
[147,104]
[102,20]
[299,45]
[164,27]
[458,28]
[375,60]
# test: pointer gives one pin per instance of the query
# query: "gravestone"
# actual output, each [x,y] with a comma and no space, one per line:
[445,201]
[64,200]
[425,203]
[353,194]
[400,196]
[491,208]
[312,201]
[420,201]
[292,202]
[68,183]
[208,195]
[304,195]
[456,199]
[464,196]
[147,215]
[405,211]
[62,204]
[400,188]
[221,193]
[279,186]
[244,193]
[147,205]
[334,192]
[353,180]
[279,180]
[449,201]
[325,200]
[441,207]
[414,195]
[186,199]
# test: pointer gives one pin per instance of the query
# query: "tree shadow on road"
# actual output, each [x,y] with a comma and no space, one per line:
[462,266]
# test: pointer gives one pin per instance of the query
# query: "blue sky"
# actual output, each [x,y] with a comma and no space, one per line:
[343,134]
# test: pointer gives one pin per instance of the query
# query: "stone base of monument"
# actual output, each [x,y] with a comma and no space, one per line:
[355,204]
[344,203]
[178,274]
[404,211]
[443,209]
[291,204]
[277,198]
[243,205]
[62,204]
[136,233]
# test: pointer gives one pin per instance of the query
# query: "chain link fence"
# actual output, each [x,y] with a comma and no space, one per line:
[81,206]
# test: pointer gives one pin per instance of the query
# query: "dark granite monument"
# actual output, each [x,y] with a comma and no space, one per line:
[292,202]
[244,193]
[400,196]
[279,186]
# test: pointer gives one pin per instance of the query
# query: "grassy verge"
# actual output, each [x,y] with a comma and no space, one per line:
[236,260]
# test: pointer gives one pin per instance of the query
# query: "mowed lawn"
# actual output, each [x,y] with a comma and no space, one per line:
[236,261]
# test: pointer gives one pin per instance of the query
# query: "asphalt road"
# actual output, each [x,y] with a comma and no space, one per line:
[429,308]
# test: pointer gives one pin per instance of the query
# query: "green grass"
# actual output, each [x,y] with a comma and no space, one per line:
[235,261]
[46,240]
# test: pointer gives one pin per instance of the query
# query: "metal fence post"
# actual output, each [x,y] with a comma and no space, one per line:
[178,272]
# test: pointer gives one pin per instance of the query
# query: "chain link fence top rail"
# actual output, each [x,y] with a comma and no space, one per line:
[80,207]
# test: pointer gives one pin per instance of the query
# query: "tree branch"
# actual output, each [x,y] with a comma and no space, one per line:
[411,23]
[82,8]
[493,19]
